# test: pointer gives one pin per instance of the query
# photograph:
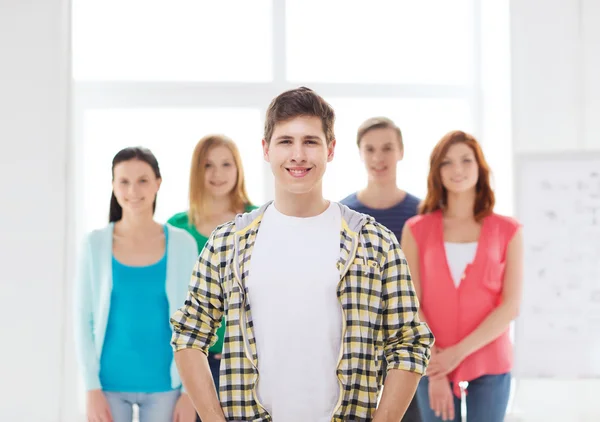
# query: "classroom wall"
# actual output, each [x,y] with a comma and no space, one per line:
[555,97]
[34,89]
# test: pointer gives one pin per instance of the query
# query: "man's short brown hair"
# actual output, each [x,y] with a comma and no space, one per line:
[299,102]
[378,123]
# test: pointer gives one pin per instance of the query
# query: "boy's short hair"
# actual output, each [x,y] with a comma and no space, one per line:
[378,123]
[299,102]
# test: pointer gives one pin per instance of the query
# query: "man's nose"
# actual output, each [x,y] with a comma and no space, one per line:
[298,152]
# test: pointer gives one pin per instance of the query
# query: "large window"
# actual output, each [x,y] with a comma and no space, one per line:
[183,40]
[164,74]
[382,41]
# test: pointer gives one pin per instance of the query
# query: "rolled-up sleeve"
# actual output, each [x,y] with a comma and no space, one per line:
[196,322]
[407,340]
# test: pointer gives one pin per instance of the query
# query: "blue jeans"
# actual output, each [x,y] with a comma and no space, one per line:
[154,407]
[487,399]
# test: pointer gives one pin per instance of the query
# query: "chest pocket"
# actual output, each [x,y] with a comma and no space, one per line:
[493,275]
[363,291]
[492,265]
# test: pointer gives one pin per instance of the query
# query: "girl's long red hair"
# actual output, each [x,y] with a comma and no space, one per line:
[437,195]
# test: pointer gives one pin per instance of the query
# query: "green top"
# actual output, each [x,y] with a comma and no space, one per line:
[182,221]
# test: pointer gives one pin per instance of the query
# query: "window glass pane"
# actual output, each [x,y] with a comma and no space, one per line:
[171,134]
[382,41]
[422,121]
[172,40]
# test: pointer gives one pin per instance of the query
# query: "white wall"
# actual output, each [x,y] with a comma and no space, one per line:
[555,84]
[555,95]
[34,86]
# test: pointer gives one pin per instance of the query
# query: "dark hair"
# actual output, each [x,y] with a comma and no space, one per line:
[378,123]
[437,196]
[299,102]
[131,153]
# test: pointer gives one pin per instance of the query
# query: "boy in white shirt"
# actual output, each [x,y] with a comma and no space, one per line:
[312,292]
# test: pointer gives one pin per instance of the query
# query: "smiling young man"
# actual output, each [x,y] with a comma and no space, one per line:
[312,292]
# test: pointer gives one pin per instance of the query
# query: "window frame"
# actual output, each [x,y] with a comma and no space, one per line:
[89,95]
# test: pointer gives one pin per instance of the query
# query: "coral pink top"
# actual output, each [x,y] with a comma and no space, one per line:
[454,312]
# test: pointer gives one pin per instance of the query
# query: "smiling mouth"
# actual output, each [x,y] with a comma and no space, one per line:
[298,172]
[379,170]
[218,184]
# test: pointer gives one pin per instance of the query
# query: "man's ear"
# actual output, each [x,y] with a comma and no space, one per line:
[331,150]
[265,146]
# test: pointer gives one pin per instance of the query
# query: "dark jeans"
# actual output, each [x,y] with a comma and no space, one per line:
[214,364]
[412,413]
[487,399]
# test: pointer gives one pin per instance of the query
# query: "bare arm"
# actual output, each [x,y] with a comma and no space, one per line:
[197,380]
[398,391]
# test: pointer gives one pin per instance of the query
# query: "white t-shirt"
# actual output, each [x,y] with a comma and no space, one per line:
[459,255]
[292,290]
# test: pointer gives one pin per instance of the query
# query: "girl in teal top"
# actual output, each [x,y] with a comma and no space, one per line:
[133,274]
[217,193]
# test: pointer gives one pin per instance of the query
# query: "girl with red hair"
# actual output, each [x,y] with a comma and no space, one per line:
[466,265]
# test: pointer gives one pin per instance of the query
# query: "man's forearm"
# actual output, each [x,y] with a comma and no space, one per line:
[197,379]
[398,391]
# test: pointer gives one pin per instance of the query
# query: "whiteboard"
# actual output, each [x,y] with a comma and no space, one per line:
[557,333]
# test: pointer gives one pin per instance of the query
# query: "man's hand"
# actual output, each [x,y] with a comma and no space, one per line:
[98,409]
[184,410]
[441,398]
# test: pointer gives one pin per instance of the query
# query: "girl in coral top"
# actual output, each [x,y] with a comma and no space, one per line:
[466,264]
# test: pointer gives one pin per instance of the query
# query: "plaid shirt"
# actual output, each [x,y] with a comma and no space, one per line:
[379,315]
